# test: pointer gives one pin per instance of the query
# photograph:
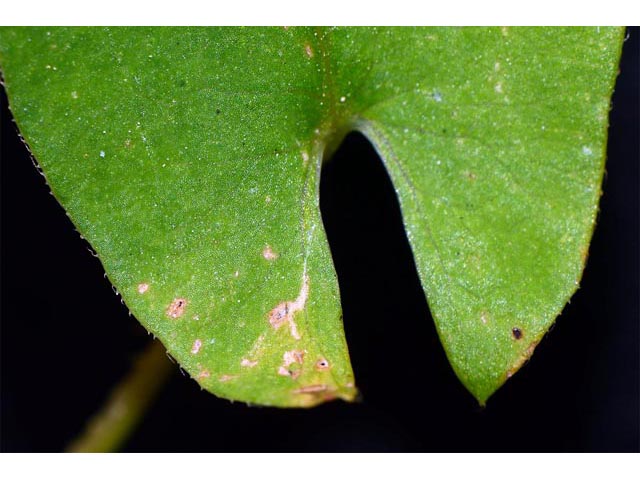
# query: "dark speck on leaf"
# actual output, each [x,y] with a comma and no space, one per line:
[217,111]
[517,333]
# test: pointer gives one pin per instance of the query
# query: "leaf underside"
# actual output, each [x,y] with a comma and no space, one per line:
[189,158]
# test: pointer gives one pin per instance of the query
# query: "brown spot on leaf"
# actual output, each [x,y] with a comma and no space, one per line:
[257,350]
[529,351]
[226,378]
[308,50]
[269,254]
[322,364]
[176,309]
[278,316]
[142,288]
[196,346]
[526,355]
[203,374]
[293,356]
[584,254]
[312,389]
[285,372]
[289,358]
[284,311]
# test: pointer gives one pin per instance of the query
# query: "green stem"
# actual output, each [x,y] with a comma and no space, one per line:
[128,402]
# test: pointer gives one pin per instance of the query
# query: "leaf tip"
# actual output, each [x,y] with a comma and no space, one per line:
[482,387]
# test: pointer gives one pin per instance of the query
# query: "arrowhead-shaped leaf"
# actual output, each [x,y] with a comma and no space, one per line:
[190,158]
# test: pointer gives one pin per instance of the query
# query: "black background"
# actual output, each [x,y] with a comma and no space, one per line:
[66,338]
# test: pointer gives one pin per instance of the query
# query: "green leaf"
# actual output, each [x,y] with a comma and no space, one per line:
[190,158]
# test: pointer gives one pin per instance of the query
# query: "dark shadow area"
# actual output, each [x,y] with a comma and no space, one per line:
[66,339]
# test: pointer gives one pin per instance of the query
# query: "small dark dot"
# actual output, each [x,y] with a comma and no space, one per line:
[217,111]
[517,333]
[322,364]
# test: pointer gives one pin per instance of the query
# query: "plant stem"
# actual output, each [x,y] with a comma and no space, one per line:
[107,430]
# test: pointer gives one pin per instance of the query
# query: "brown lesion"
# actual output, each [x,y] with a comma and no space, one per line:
[269,254]
[316,393]
[290,360]
[584,254]
[279,315]
[312,389]
[285,372]
[293,356]
[526,355]
[284,311]
[322,364]
[176,309]
[197,344]
[250,359]
[308,50]
[469,175]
